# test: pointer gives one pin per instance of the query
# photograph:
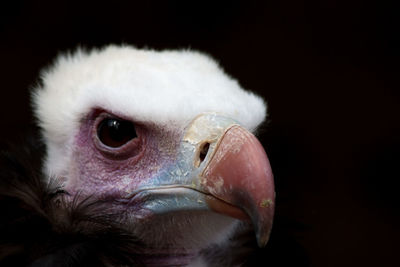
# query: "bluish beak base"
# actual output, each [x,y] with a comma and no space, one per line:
[234,178]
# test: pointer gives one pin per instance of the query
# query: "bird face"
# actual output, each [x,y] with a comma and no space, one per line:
[216,165]
[196,170]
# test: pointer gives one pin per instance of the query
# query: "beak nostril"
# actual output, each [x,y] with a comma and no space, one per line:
[203,151]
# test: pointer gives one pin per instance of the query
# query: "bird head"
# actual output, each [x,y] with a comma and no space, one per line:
[164,137]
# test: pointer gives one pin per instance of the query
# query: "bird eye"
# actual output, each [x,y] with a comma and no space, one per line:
[115,132]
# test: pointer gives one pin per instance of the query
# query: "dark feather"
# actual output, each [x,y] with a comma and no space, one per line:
[39,228]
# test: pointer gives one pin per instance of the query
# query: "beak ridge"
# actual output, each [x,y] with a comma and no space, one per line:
[239,173]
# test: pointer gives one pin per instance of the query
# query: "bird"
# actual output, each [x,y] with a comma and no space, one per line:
[148,158]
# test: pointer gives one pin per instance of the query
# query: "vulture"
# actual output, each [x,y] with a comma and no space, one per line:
[144,158]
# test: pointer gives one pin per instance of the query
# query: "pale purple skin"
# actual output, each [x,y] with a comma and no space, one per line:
[112,174]
[115,174]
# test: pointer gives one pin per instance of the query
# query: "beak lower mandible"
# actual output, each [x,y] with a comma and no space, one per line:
[236,171]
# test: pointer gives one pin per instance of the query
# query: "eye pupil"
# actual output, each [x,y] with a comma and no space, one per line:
[115,132]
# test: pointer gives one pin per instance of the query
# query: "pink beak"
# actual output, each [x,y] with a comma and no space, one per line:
[240,175]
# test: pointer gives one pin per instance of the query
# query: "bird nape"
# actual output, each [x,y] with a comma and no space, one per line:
[149,159]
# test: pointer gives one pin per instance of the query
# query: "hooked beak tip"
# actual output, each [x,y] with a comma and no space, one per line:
[239,173]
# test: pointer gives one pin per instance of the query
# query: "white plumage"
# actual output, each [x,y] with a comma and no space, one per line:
[167,87]
[164,90]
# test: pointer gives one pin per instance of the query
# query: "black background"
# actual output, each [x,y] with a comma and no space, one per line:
[328,70]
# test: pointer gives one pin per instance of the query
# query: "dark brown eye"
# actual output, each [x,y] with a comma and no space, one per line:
[114,132]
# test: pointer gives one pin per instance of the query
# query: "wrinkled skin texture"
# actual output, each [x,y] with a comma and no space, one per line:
[163,191]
